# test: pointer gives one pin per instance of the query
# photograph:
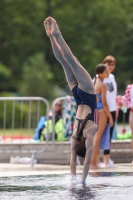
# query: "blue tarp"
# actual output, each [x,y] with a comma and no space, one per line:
[40,125]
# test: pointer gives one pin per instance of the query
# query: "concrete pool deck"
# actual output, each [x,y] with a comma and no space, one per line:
[7,170]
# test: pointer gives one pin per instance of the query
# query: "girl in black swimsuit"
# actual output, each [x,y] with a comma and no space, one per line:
[77,77]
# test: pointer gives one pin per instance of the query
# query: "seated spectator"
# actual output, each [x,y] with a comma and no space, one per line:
[43,123]
[58,127]
[64,119]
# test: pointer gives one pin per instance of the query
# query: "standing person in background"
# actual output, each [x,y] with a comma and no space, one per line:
[105,116]
[111,94]
[129,104]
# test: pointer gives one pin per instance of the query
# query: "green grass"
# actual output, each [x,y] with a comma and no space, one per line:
[121,123]
[17,132]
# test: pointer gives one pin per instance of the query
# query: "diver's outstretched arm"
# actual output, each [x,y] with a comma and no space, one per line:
[73,158]
[89,150]
[86,163]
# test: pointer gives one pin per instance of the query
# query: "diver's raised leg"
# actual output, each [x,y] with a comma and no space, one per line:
[59,56]
[82,76]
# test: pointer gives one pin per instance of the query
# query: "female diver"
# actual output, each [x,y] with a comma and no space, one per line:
[82,87]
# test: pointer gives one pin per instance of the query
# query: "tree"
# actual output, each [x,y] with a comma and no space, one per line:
[5,74]
[36,78]
[92,29]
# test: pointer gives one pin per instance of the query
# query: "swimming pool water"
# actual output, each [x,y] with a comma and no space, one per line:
[99,186]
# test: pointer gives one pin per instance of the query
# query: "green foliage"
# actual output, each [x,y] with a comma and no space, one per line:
[4,71]
[92,29]
[5,74]
[21,35]
[6,117]
[20,114]
[37,77]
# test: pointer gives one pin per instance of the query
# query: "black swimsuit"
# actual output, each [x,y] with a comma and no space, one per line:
[84,98]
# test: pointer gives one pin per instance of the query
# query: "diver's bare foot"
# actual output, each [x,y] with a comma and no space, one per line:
[54,27]
[47,26]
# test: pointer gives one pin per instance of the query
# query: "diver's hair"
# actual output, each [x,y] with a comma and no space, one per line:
[99,70]
[80,133]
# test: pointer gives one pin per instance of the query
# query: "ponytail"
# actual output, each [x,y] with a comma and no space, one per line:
[99,70]
[95,78]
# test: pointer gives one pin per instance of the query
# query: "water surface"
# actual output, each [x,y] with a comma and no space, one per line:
[99,186]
